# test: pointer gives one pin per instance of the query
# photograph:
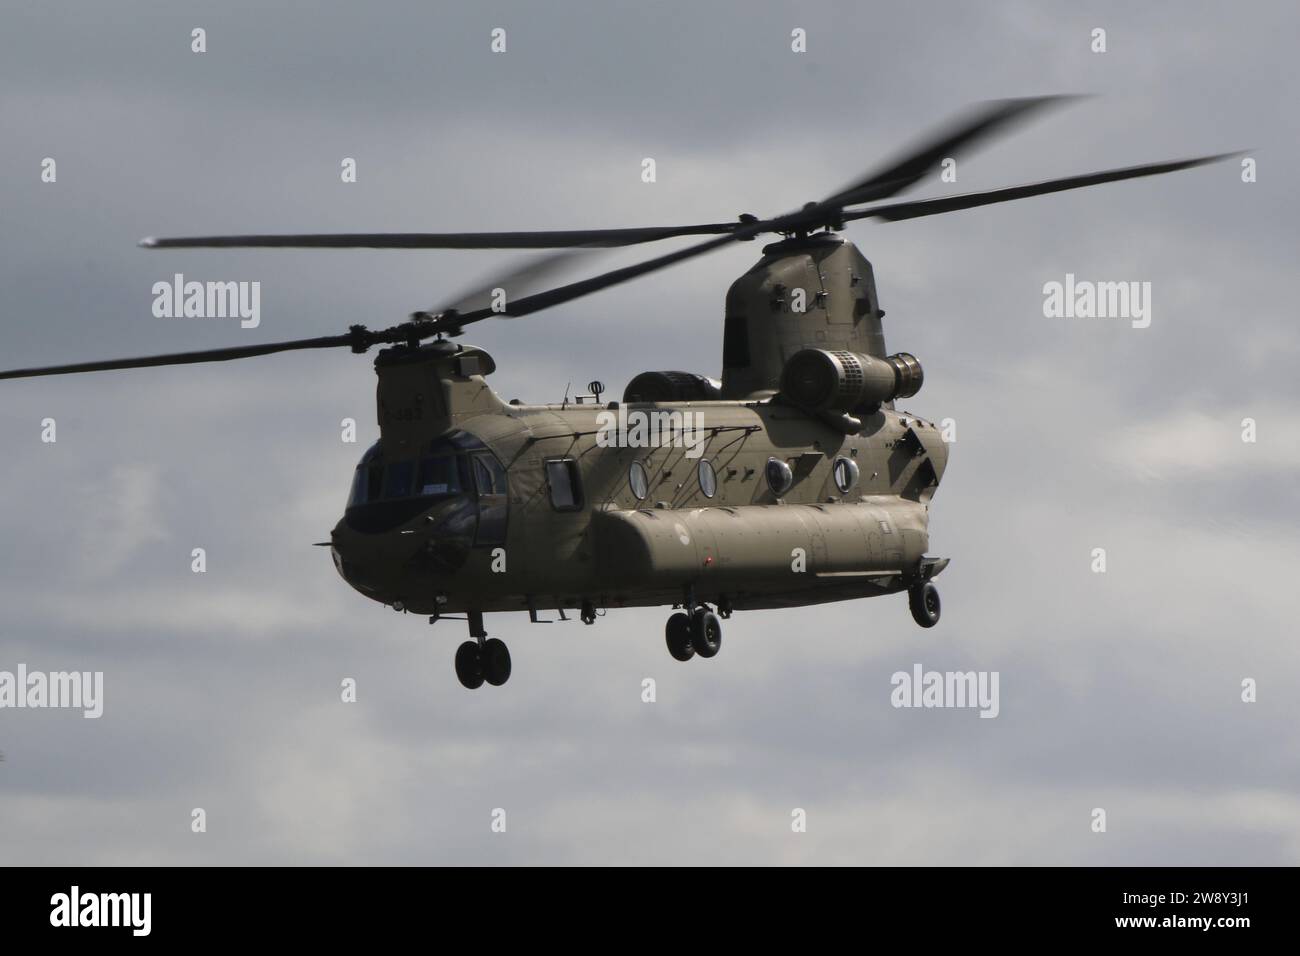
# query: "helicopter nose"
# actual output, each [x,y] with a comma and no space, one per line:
[352,559]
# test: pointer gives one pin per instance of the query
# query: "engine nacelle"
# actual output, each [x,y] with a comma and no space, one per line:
[823,380]
[672,387]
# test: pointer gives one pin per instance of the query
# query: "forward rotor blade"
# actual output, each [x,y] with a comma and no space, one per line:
[183,358]
[931,207]
[523,277]
[989,119]
[576,290]
[561,239]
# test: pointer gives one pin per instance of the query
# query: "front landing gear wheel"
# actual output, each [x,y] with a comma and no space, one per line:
[469,665]
[924,602]
[677,634]
[496,661]
[706,633]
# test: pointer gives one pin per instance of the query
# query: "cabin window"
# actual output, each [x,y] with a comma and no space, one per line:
[566,490]
[735,342]
[708,478]
[779,476]
[846,474]
[638,480]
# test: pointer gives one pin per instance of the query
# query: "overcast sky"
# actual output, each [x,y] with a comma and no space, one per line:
[1119,691]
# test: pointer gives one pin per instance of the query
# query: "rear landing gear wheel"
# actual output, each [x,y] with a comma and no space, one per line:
[677,634]
[496,661]
[706,633]
[469,665]
[924,602]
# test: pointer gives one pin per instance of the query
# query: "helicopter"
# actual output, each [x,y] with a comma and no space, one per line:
[792,480]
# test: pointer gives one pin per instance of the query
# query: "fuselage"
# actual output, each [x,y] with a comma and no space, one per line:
[545,506]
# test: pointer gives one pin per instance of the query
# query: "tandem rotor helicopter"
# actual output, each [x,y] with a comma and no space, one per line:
[805,484]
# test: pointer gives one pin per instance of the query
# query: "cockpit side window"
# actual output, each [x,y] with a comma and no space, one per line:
[493,507]
[368,479]
[357,494]
[489,476]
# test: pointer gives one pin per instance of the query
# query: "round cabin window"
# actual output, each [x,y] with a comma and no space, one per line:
[846,474]
[708,478]
[638,480]
[779,476]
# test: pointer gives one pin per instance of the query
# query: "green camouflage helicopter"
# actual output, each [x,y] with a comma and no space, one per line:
[793,480]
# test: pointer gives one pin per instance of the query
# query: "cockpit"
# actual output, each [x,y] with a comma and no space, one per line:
[454,477]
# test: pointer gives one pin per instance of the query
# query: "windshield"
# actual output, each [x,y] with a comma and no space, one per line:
[440,476]
[441,471]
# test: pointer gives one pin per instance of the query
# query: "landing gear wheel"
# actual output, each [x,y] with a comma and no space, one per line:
[677,634]
[469,665]
[496,661]
[706,633]
[924,602]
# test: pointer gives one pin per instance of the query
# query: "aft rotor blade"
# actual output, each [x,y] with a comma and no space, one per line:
[988,120]
[931,207]
[184,358]
[555,239]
